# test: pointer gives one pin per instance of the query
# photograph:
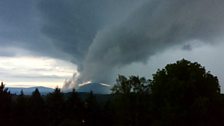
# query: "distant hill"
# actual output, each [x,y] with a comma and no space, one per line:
[96,88]
[28,91]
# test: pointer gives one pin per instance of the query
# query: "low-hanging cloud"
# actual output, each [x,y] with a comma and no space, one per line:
[102,35]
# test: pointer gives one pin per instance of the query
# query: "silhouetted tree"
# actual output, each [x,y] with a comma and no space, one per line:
[122,86]
[55,107]
[37,109]
[182,93]
[133,84]
[131,99]
[74,109]
[21,111]
[5,105]
[92,112]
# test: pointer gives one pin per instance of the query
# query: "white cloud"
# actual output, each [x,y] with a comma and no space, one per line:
[27,70]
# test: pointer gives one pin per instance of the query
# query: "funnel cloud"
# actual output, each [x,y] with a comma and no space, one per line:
[103,35]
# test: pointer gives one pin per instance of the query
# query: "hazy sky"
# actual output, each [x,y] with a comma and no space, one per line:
[44,42]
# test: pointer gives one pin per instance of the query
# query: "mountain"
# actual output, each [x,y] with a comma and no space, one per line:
[96,88]
[28,91]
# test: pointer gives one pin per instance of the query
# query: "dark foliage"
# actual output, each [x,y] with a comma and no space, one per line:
[182,94]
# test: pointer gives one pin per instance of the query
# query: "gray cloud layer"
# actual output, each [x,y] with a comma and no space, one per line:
[154,27]
[105,35]
[101,36]
[72,25]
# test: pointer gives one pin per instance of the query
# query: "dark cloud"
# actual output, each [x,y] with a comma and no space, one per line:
[69,25]
[20,25]
[187,47]
[18,28]
[104,35]
[154,27]
[101,36]
[72,25]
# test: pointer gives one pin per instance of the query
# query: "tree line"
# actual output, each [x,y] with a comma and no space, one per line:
[182,93]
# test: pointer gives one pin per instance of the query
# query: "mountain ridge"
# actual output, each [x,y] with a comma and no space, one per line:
[28,90]
[96,88]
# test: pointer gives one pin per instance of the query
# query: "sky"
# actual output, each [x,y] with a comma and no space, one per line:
[67,42]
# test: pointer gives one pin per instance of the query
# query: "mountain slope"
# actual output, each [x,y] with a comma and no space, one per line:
[28,91]
[96,88]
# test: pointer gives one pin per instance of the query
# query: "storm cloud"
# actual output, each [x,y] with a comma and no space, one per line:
[72,25]
[103,35]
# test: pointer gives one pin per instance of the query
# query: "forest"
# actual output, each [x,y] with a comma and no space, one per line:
[180,94]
